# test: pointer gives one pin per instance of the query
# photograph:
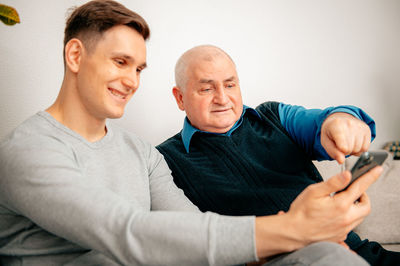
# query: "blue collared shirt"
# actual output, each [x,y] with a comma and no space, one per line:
[189,130]
[303,125]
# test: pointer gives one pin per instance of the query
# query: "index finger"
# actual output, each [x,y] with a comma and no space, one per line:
[355,190]
[330,147]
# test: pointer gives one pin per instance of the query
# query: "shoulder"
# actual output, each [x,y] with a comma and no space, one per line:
[269,112]
[33,145]
[268,108]
[127,137]
[171,144]
[35,132]
[130,143]
[36,138]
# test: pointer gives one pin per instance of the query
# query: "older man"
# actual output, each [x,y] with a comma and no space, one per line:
[235,160]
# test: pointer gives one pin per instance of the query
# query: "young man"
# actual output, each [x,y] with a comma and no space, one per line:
[76,190]
[235,160]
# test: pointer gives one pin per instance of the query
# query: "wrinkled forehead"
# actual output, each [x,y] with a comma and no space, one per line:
[211,64]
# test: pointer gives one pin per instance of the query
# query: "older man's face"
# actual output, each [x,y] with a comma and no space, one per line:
[212,99]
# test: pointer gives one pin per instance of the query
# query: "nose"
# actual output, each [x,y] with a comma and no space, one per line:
[131,78]
[131,82]
[220,96]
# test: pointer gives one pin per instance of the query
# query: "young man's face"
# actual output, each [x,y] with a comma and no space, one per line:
[109,74]
[212,99]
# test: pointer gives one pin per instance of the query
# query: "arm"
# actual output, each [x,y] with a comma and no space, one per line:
[305,126]
[165,195]
[45,184]
[316,216]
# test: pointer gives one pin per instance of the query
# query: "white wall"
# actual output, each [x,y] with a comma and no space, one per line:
[314,53]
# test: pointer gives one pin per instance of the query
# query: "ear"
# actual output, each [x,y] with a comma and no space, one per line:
[73,54]
[176,91]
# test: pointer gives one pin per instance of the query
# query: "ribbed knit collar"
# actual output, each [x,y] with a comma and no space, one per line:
[188,130]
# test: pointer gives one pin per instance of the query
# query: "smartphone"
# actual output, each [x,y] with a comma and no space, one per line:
[366,162]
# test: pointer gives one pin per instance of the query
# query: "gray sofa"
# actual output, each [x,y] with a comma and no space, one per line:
[383,223]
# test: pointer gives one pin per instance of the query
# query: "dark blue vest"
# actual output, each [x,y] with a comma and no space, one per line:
[258,170]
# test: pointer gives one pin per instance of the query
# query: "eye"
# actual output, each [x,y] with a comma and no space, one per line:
[206,89]
[230,85]
[120,62]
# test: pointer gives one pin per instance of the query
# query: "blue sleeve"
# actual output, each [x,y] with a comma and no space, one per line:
[304,125]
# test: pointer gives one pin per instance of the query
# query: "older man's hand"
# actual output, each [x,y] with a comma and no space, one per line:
[343,134]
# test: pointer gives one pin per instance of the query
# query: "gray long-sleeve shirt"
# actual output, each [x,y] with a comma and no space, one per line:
[66,200]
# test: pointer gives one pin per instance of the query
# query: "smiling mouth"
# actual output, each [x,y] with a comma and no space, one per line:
[221,111]
[117,93]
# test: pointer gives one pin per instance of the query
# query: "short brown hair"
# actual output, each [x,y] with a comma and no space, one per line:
[89,21]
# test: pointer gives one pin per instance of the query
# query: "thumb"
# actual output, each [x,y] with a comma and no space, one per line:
[335,183]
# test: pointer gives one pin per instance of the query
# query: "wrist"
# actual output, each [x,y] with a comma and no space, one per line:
[277,234]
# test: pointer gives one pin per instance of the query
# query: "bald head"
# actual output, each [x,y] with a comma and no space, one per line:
[193,56]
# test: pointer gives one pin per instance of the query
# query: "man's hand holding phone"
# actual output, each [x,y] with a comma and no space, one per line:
[318,214]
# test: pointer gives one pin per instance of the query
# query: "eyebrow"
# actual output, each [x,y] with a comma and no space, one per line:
[208,81]
[233,78]
[128,58]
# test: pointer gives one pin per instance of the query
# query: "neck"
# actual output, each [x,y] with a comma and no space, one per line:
[69,111]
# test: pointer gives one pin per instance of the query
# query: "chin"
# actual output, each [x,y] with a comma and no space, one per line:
[226,125]
[220,129]
[115,115]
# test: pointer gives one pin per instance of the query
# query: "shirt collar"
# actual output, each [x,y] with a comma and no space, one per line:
[188,130]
